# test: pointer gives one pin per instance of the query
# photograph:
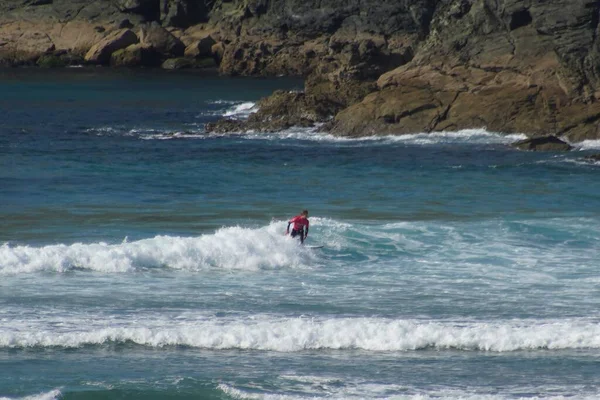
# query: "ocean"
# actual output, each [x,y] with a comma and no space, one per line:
[142,258]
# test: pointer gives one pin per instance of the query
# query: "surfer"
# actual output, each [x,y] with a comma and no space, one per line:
[300,226]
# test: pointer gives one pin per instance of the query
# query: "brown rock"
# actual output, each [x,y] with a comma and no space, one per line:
[200,48]
[543,143]
[161,40]
[35,43]
[100,53]
[135,55]
[217,51]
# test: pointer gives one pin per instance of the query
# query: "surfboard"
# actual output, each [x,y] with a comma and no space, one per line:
[317,246]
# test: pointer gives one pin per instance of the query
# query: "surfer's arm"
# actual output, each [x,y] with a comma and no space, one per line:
[287,231]
[306,231]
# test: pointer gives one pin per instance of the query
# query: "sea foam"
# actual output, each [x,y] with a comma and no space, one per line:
[466,136]
[294,334]
[241,111]
[228,248]
[375,390]
[52,395]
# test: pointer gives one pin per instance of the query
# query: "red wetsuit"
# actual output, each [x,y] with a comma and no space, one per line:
[300,226]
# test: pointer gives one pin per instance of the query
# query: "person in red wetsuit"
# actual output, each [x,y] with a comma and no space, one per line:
[300,226]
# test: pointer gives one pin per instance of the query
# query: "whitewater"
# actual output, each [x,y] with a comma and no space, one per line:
[143,258]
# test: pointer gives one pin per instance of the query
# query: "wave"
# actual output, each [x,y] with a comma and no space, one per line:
[587,145]
[376,390]
[231,248]
[467,136]
[496,246]
[314,134]
[295,334]
[241,111]
[52,395]
[193,132]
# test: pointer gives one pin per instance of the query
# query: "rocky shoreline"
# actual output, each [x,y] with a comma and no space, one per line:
[371,67]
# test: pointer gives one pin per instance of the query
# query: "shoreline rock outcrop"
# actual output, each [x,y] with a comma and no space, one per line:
[543,143]
[371,67]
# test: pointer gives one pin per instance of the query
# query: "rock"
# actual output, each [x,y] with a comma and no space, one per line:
[161,40]
[225,125]
[125,24]
[51,61]
[543,143]
[593,157]
[217,51]
[205,62]
[101,52]
[177,63]
[32,45]
[183,13]
[281,110]
[380,67]
[200,48]
[146,7]
[135,55]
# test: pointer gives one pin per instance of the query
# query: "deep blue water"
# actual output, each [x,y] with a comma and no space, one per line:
[143,258]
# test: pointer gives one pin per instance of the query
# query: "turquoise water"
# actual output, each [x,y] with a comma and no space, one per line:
[142,258]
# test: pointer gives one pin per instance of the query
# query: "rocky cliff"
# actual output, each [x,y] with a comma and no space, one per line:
[371,67]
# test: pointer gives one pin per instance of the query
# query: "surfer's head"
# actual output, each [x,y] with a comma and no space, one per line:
[305,213]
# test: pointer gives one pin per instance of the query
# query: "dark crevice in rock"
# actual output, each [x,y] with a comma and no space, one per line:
[394,119]
[37,2]
[595,20]
[519,19]
[427,17]
[592,119]
[148,9]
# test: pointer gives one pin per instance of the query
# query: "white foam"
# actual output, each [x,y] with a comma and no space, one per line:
[314,134]
[480,136]
[170,135]
[587,145]
[241,111]
[373,390]
[294,334]
[222,102]
[467,136]
[228,248]
[52,395]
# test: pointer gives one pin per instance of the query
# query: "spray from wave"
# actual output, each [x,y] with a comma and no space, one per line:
[231,248]
[241,111]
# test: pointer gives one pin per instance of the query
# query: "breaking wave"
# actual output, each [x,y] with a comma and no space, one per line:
[294,334]
[228,248]
[52,395]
